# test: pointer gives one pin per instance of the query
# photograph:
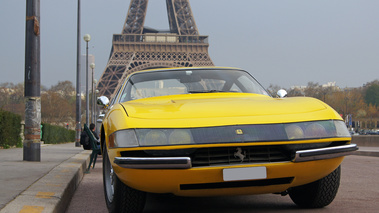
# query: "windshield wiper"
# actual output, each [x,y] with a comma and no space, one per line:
[206,91]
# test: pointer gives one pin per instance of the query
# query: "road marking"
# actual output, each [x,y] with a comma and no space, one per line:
[46,195]
[32,209]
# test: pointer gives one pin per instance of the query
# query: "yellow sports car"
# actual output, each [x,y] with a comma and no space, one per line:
[216,131]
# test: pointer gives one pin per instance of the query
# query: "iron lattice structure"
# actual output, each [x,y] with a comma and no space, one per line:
[139,48]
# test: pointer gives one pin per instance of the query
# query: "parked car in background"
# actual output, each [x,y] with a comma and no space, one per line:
[352,132]
[369,132]
[216,131]
[373,132]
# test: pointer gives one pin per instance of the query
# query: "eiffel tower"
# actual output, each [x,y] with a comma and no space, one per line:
[140,48]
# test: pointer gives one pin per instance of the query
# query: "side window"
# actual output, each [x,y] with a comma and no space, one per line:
[113,100]
[125,95]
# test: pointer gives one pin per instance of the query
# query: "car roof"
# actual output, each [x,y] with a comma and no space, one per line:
[185,68]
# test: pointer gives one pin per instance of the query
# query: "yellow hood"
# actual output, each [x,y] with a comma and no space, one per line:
[234,107]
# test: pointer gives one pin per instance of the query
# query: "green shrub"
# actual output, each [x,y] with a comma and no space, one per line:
[56,134]
[10,129]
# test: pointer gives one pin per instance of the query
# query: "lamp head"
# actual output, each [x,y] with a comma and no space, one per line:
[87,37]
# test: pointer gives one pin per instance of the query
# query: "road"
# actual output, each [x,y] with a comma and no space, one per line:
[359,192]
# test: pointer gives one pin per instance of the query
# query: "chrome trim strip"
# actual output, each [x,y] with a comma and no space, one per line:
[324,153]
[154,162]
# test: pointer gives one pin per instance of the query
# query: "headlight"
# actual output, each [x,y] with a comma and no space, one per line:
[162,137]
[123,138]
[341,129]
[180,136]
[154,138]
[316,130]
[294,132]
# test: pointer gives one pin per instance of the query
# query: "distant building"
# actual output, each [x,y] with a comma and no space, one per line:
[298,88]
[327,85]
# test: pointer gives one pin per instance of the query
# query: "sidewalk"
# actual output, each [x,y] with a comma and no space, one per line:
[45,186]
[48,186]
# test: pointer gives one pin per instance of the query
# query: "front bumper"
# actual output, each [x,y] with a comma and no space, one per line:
[154,162]
[185,162]
[324,153]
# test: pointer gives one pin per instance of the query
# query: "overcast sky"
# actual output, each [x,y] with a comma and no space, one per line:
[283,42]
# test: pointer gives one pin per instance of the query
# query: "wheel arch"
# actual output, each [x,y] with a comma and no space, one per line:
[102,138]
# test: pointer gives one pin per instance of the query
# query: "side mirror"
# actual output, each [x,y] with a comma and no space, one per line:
[282,93]
[103,101]
[100,119]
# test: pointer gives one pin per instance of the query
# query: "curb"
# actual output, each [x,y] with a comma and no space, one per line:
[52,192]
[367,153]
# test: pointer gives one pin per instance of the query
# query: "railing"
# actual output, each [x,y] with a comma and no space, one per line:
[159,38]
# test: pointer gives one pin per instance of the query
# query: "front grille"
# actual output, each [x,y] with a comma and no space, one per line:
[233,155]
[221,155]
[239,155]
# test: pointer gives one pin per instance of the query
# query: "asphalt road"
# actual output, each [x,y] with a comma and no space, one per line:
[359,192]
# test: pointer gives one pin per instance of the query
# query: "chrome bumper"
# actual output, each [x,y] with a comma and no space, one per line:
[324,153]
[154,162]
[185,162]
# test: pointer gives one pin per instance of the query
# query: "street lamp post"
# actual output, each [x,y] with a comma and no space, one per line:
[87,38]
[94,101]
[32,93]
[78,93]
[97,92]
[92,65]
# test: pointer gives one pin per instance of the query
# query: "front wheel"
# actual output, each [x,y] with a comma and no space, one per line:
[319,193]
[118,196]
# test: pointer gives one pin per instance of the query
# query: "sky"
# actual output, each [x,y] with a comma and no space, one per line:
[283,42]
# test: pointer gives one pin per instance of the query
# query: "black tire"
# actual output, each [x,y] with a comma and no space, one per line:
[118,196]
[319,193]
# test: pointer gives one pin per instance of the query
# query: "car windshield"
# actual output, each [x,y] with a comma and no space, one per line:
[174,82]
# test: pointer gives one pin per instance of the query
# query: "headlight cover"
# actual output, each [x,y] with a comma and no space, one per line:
[231,134]
[123,138]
